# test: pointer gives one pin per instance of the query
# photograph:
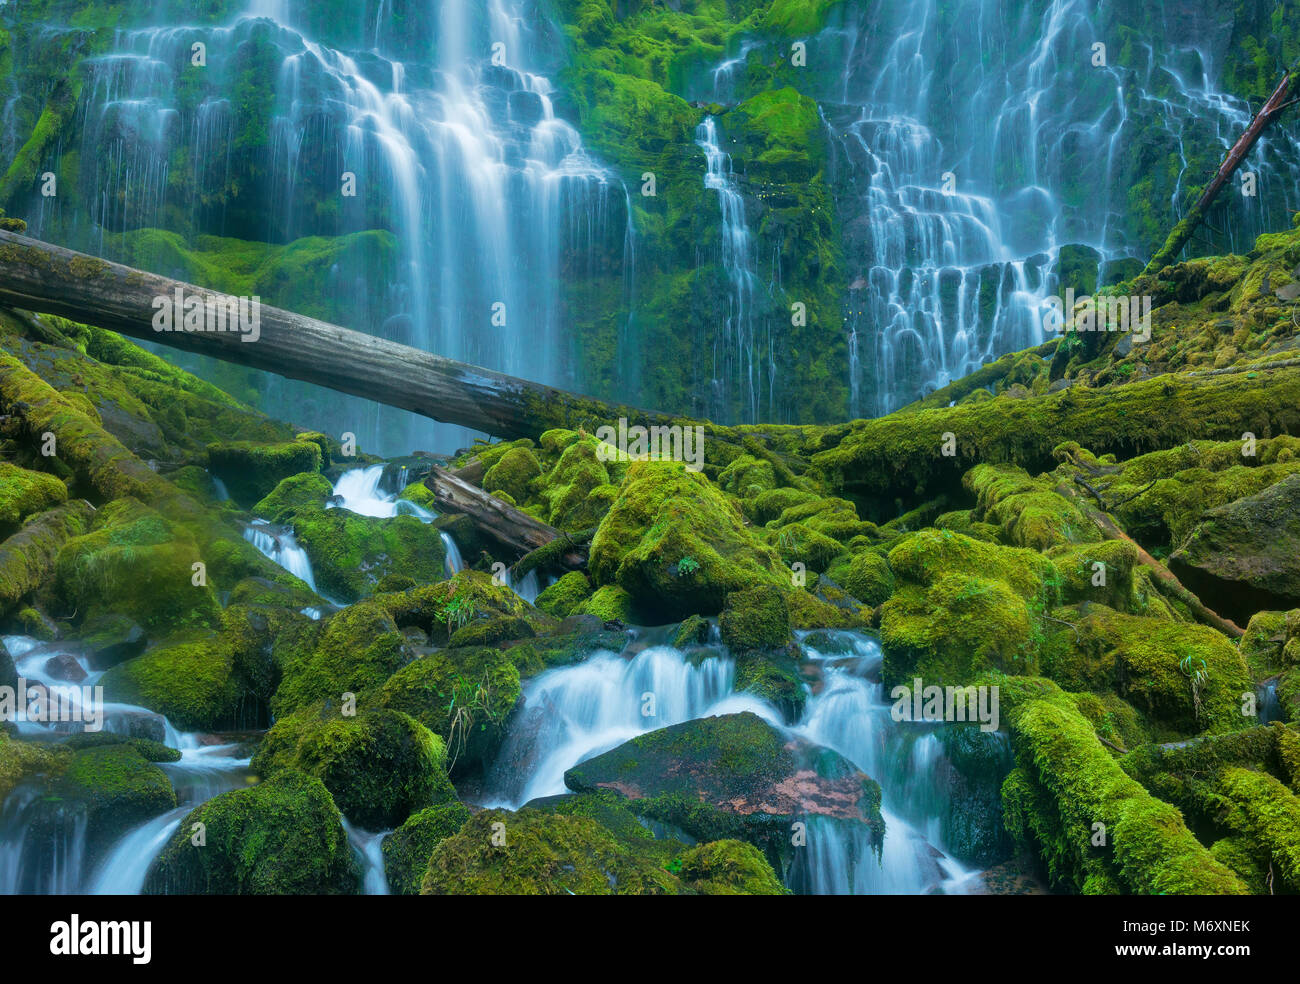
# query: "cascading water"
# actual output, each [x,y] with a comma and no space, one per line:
[43,844]
[851,716]
[360,490]
[573,713]
[735,371]
[278,544]
[487,193]
[974,141]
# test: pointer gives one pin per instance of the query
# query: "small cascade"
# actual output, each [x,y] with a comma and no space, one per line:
[736,368]
[360,490]
[574,712]
[278,544]
[43,842]
[527,587]
[851,716]
[368,849]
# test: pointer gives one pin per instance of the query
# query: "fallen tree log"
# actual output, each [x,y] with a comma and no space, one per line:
[511,528]
[39,277]
[1182,232]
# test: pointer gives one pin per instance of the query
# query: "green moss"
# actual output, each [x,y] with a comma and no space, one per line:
[359,648]
[351,553]
[379,765]
[1151,664]
[957,627]
[191,679]
[757,618]
[282,837]
[1269,814]
[665,516]
[292,494]
[20,760]
[565,595]
[464,696]
[28,558]
[536,853]
[138,564]
[512,473]
[407,850]
[251,470]
[610,603]
[23,493]
[1027,510]
[869,578]
[799,543]
[1066,782]
[729,867]
[116,788]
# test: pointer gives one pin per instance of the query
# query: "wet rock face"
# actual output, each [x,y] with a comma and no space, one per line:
[1246,554]
[64,666]
[734,776]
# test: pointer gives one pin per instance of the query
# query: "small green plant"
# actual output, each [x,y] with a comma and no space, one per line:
[456,612]
[674,866]
[688,565]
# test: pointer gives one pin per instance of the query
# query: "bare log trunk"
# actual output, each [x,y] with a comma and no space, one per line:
[1183,231]
[36,276]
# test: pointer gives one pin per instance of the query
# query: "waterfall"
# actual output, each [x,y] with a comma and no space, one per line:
[368,850]
[575,712]
[360,490]
[278,544]
[446,124]
[572,713]
[734,353]
[851,716]
[43,843]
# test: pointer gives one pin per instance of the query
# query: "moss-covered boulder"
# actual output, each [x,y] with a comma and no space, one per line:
[1027,510]
[281,837]
[677,544]
[358,648]
[733,776]
[251,470]
[114,787]
[407,849]
[442,609]
[24,493]
[549,852]
[565,595]
[512,473]
[462,695]
[578,490]
[191,679]
[351,554]
[1184,677]
[610,604]
[868,578]
[136,563]
[379,765]
[757,618]
[21,760]
[1246,554]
